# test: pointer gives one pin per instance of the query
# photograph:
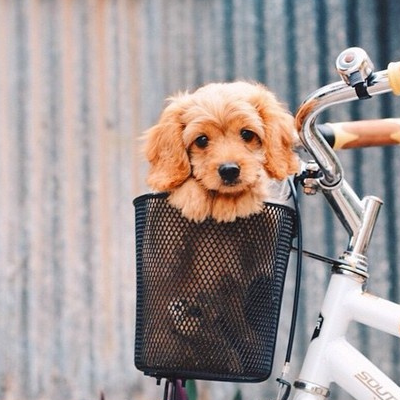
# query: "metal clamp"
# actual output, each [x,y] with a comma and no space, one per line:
[310,181]
[312,388]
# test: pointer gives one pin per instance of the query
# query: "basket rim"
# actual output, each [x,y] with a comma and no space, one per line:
[150,195]
[164,195]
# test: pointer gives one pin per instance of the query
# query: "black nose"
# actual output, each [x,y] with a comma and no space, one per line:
[229,172]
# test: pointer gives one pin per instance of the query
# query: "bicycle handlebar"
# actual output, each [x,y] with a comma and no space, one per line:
[367,133]
[358,82]
[336,93]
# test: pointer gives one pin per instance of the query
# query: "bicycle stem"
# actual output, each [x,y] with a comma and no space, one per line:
[357,216]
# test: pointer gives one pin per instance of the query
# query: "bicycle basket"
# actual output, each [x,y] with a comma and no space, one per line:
[209,294]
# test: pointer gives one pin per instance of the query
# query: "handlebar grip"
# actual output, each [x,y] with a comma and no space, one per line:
[368,133]
[394,77]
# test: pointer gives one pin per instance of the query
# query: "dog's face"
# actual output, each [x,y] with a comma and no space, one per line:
[226,136]
[224,145]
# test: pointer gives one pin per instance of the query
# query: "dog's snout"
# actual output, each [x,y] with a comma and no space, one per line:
[229,172]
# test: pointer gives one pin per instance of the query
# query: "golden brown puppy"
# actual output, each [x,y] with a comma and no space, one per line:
[219,150]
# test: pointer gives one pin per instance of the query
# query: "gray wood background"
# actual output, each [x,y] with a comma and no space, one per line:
[79,81]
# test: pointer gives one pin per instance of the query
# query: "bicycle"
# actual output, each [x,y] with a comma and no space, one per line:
[329,358]
[346,300]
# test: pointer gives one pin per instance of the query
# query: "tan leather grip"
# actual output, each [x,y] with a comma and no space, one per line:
[394,77]
[348,135]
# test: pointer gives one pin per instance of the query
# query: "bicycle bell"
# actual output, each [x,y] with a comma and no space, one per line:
[352,61]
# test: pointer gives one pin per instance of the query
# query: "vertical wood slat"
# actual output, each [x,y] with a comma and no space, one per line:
[79,81]
[6,195]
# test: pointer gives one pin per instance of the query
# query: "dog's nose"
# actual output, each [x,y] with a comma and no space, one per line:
[229,172]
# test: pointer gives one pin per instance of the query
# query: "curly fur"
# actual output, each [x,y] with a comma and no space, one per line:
[221,111]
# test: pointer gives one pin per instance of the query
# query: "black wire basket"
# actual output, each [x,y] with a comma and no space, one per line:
[209,294]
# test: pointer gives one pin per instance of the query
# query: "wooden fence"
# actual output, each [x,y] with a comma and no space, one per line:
[79,81]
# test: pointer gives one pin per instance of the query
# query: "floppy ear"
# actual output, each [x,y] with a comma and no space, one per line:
[165,151]
[278,138]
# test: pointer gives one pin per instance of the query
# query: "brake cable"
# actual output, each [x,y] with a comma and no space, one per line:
[319,257]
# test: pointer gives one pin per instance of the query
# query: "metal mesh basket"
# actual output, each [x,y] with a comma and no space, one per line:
[209,294]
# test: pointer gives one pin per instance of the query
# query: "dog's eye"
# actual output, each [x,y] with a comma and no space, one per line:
[247,135]
[201,141]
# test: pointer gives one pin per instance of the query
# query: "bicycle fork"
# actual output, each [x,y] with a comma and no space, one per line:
[330,358]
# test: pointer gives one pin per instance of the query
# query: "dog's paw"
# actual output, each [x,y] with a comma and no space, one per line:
[224,209]
[193,201]
[228,208]
[250,203]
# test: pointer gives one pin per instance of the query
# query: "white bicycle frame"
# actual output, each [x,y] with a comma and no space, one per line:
[330,358]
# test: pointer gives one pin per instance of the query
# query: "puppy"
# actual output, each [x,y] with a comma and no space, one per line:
[221,150]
